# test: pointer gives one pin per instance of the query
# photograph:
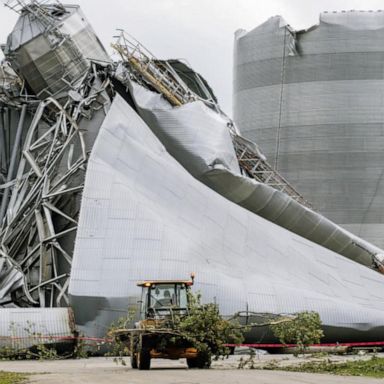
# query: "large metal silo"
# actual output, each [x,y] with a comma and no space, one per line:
[314,102]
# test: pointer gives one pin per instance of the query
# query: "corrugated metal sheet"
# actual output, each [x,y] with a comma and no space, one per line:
[318,113]
[199,139]
[144,216]
[22,328]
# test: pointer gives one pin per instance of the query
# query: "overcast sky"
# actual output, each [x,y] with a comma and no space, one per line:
[200,31]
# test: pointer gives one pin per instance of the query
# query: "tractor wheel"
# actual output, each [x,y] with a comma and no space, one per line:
[133,348]
[192,362]
[143,359]
[133,360]
[202,361]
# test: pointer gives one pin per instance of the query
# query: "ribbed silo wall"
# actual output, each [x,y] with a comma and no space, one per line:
[314,102]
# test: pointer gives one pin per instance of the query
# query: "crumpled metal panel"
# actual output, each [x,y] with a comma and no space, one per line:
[195,82]
[199,139]
[320,113]
[193,133]
[144,216]
[22,328]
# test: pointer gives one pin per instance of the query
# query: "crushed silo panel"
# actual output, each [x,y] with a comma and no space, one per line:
[144,216]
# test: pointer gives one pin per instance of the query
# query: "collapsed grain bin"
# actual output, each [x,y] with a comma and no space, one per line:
[132,171]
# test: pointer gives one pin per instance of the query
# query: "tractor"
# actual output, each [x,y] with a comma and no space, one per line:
[154,335]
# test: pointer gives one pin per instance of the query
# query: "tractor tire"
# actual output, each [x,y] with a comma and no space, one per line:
[202,361]
[192,362]
[134,360]
[144,360]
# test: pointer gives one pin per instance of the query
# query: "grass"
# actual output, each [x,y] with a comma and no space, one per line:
[373,367]
[12,378]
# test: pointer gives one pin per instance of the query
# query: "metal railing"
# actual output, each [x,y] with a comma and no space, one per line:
[254,163]
[46,11]
[162,76]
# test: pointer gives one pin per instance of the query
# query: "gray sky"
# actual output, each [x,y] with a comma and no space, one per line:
[200,31]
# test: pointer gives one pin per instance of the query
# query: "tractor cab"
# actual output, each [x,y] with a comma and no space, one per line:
[162,298]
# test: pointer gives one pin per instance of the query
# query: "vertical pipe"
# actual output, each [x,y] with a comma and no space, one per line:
[3,159]
[13,160]
[6,136]
[280,102]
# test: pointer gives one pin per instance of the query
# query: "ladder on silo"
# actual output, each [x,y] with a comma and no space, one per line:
[255,165]
[166,81]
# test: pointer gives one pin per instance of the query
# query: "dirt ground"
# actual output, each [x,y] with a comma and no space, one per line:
[103,370]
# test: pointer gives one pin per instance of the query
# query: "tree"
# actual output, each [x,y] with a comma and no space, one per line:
[207,330]
[303,330]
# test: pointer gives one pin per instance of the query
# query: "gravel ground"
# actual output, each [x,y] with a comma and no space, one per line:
[103,370]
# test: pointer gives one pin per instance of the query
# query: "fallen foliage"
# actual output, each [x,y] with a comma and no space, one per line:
[12,377]
[374,367]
